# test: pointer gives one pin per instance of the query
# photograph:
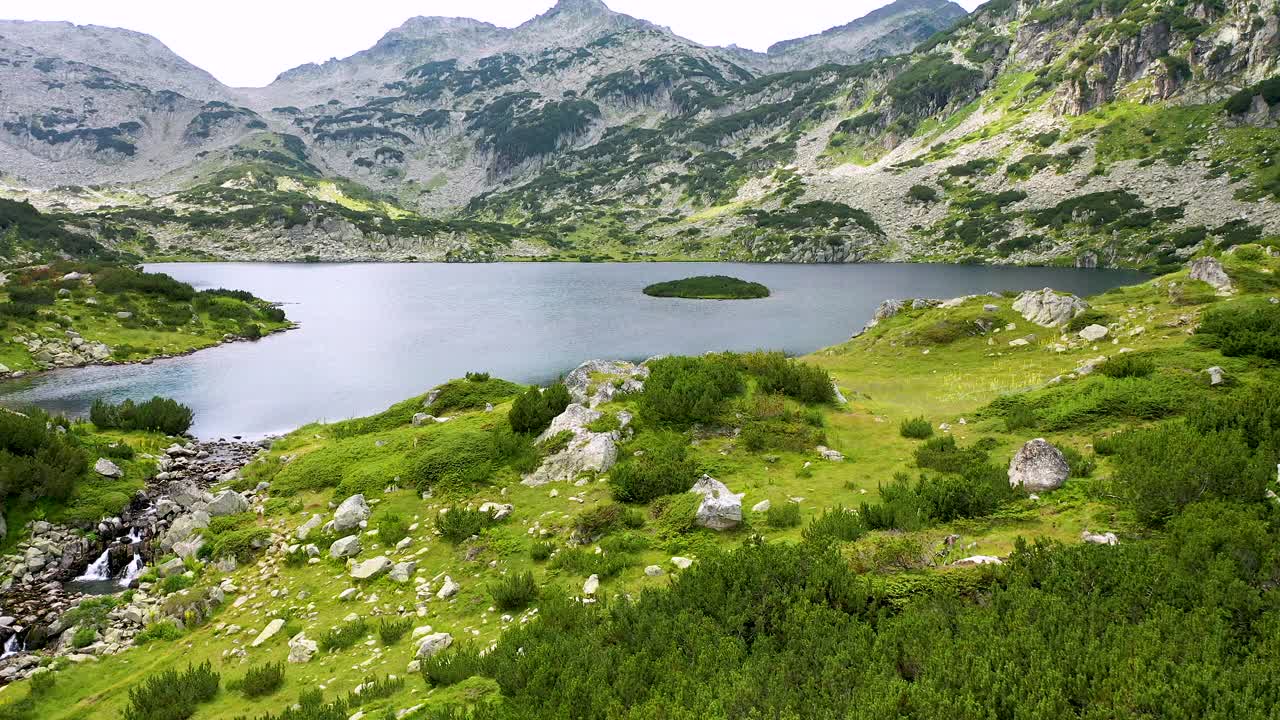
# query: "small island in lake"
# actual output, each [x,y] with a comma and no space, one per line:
[708,287]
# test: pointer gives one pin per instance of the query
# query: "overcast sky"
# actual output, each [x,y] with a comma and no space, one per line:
[246,43]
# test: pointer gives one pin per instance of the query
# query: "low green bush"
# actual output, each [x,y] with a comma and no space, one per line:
[583,561]
[460,523]
[835,525]
[534,410]
[783,515]
[662,467]
[541,551]
[391,630]
[916,428]
[158,414]
[391,528]
[83,637]
[172,695]
[514,591]
[452,666]
[262,680]
[345,635]
[685,390]
[1127,365]
[160,630]
[373,689]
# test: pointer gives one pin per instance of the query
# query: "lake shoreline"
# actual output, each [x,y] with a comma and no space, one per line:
[8,378]
[376,333]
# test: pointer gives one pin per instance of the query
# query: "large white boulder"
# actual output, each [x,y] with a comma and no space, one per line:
[586,452]
[1093,333]
[353,511]
[1038,467]
[1048,308]
[721,509]
[227,502]
[106,468]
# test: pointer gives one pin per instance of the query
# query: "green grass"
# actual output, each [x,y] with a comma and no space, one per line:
[887,379]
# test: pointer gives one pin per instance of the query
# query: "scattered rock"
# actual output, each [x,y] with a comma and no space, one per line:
[1093,333]
[401,572]
[449,589]
[305,528]
[720,508]
[106,468]
[301,649]
[497,510]
[433,644]
[762,506]
[979,560]
[1217,375]
[353,511]
[592,584]
[1103,539]
[682,563]
[371,568]
[227,502]
[347,547]
[1038,467]
[268,632]
[653,571]
[828,454]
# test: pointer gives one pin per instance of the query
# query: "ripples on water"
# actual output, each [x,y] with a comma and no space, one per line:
[375,334]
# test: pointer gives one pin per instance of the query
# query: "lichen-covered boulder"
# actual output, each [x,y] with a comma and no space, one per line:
[721,509]
[353,511]
[1209,270]
[1038,467]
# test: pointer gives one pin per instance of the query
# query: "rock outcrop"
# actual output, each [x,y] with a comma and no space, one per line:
[1047,308]
[1210,270]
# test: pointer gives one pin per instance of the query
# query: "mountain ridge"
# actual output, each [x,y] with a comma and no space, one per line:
[586,133]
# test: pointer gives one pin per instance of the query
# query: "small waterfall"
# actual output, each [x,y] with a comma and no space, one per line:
[134,536]
[131,571]
[12,647]
[100,569]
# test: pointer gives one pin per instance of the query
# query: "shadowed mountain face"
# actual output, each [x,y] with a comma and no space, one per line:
[1023,133]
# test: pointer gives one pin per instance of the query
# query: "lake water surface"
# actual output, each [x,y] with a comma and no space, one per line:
[374,334]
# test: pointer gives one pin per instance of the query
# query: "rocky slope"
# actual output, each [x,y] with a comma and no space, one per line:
[893,29]
[1037,131]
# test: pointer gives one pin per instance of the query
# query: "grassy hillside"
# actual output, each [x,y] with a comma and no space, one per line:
[974,372]
[74,313]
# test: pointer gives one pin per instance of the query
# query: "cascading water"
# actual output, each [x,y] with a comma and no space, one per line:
[134,536]
[99,570]
[131,571]
[13,646]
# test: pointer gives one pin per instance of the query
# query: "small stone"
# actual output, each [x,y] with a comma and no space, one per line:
[268,632]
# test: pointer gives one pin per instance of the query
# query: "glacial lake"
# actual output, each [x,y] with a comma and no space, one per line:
[374,334]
